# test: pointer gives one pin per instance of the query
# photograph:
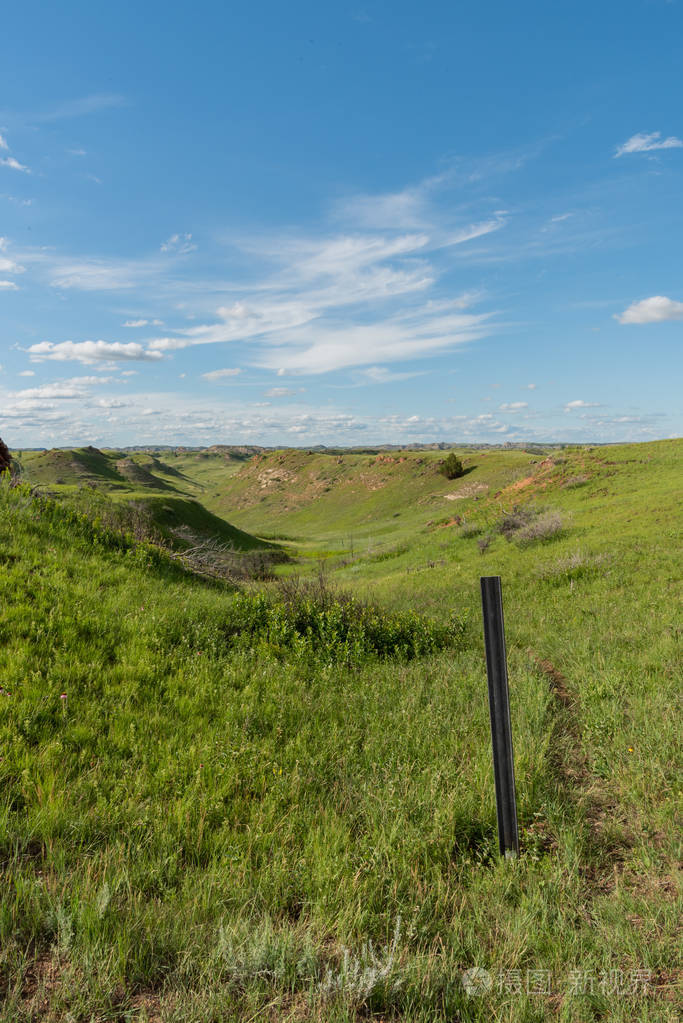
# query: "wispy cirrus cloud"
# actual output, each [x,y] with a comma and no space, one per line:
[81,106]
[344,301]
[311,303]
[180,243]
[644,143]
[384,375]
[657,309]
[96,274]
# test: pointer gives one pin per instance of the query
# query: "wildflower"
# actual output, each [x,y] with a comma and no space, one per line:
[62,696]
[630,749]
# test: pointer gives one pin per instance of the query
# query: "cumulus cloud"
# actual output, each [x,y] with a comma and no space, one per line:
[9,161]
[27,373]
[8,286]
[111,403]
[51,391]
[143,323]
[571,405]
[89,352]
[652,310]
[220,374]
[643,143]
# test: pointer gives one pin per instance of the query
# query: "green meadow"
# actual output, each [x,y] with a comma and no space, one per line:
[225,797]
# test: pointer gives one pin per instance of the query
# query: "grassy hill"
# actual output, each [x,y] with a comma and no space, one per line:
[134,490]
[212,802]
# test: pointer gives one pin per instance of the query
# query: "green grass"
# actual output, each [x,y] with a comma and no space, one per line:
[215,821]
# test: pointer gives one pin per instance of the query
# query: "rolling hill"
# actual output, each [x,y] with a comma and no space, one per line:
[277,802]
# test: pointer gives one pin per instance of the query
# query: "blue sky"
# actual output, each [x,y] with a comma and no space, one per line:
[340,224]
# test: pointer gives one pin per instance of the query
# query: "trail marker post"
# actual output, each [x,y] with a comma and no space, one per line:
[499,707]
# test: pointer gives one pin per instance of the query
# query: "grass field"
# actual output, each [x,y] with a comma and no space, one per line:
[273,803]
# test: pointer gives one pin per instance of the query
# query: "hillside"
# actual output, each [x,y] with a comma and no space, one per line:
[136,489]
[212,801]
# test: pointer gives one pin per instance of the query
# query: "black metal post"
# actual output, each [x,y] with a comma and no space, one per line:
[499,707]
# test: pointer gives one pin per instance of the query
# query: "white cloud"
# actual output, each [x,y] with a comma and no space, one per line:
[580,404]
[300,311]
[50,391]
[513,406]
[9,161]
[406,209]
[89,352]
[7,265]
[220,374]
[383,375]
[313,304]
[3,142]
[279,392]
[530,387]
[642,143]
[424,331]
[89,381]
[94,275]
[8,286]
[27,373]
[180,243]
[111,403]
[652,310]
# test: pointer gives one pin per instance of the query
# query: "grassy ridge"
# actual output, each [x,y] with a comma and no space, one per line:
[136,491]
[200,829]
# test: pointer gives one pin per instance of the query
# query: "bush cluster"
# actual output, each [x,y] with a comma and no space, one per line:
[315,622]
[529,525]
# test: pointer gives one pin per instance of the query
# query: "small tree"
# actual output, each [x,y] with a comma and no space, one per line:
[5,458]
[451,467]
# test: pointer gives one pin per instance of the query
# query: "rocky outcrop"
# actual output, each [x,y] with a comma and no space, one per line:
[5,457]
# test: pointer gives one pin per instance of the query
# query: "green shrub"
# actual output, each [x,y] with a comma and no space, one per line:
[315,622]
[451,467]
